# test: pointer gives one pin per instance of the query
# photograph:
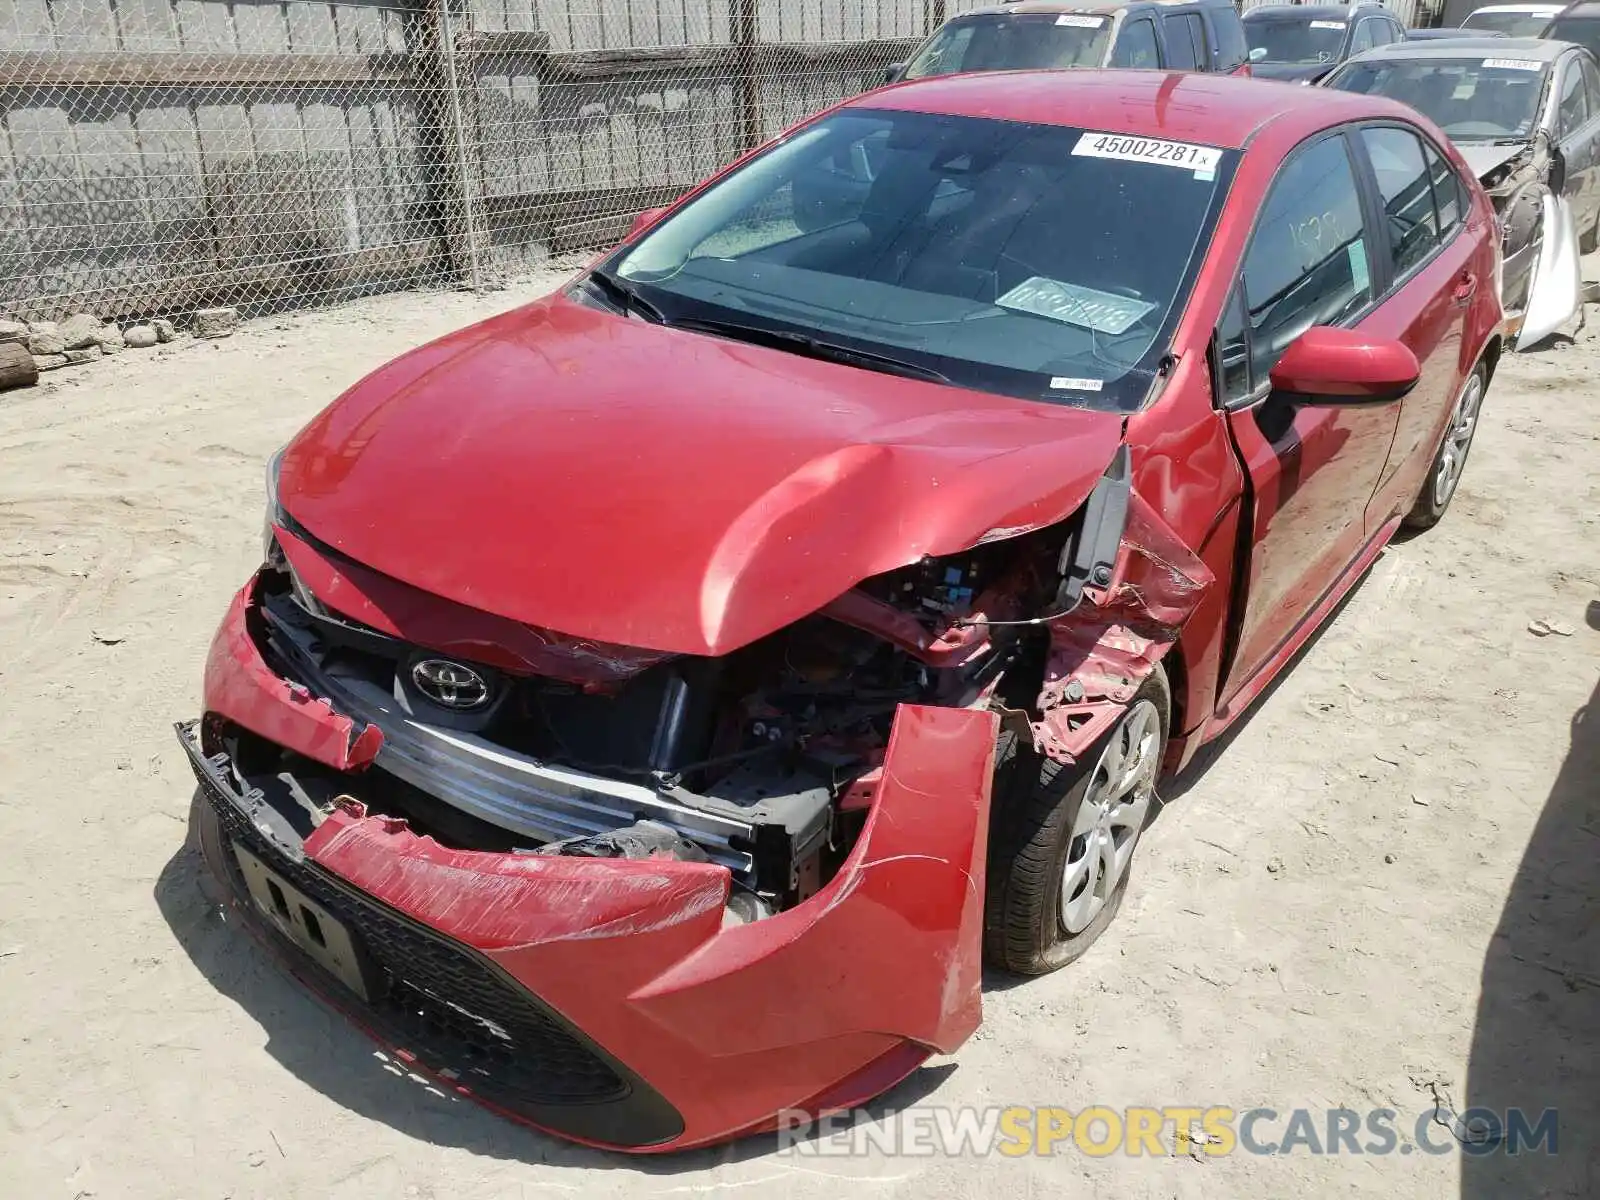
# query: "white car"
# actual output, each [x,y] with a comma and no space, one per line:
[1513,20]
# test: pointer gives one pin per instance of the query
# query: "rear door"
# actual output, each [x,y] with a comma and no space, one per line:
[1137,46]
[1577,131]
[1184,41]
[1430,277]
[1313,470]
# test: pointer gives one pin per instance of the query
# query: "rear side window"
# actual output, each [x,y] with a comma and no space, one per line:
[1307,263]
[1136,46]
[1402,175]
[1181,52]
[1449,195]
[1227,34]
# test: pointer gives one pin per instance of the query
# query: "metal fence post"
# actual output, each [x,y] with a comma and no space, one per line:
[460,171]
[746,37]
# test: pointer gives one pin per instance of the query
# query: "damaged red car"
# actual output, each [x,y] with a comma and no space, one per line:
[657,702]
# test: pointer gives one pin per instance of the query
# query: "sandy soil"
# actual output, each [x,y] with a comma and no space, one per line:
[1385,883]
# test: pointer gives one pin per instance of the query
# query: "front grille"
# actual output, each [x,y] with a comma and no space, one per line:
[439,1000]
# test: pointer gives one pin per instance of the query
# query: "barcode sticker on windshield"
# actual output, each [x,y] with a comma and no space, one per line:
[1103,312]
[1202,160]
[1512,64]
[1327,24]
[1080,22]
[1062,383]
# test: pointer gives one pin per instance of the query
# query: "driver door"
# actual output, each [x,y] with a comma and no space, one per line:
[1312,469]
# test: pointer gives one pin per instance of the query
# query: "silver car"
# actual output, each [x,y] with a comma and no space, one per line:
[1525,114]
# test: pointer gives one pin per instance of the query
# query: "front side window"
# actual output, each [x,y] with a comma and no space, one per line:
[1574,110]
[1308,259]
[1181,54]
[1481,99]
[1136,46]
[1229,48]
[1293,39]
[1014,42]
[1029,260]
[1365,36]
[1407,192]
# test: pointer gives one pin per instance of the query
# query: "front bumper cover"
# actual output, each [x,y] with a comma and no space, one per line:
[603,1000]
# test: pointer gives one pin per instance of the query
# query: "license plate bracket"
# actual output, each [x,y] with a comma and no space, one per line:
[321,936]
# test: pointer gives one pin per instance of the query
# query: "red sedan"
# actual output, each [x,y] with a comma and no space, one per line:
[659,700]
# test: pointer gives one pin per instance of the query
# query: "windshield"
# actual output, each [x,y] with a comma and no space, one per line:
[1022,41]
[1512,24]
[1028,260]
[1583,30]
[1472,100]
[1293,38]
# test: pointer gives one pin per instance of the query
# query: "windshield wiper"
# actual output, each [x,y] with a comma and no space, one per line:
[810,347]
[625,297]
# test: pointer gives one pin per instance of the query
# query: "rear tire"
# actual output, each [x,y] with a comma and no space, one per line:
[1063,837]
[1450,461]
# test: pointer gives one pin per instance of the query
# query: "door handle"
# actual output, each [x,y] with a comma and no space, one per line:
[1466,288]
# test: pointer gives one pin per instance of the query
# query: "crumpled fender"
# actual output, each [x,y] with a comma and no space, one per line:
[241,687]
[1556,292]
[893,944]
[1103,650]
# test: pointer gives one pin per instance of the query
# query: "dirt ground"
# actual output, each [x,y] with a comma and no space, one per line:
[1383,885]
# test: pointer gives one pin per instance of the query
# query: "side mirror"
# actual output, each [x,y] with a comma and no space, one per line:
[1258,54]
[892,73]
[1556,176]
[644,220]
[1326,366]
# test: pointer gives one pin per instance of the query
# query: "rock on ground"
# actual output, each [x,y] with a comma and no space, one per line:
[80,330]
[141,337]
[215,322]
[44,337]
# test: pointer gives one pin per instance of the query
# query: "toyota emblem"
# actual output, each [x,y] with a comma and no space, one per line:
[450,684]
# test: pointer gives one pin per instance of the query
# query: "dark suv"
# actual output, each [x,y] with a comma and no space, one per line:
[1185,35]
[1300,43]
[1578,23]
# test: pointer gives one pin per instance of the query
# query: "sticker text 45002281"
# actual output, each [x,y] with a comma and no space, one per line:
[1186,156]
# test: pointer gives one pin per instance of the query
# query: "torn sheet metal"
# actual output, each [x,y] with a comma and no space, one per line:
[1555,294]
[1105,648]
[242,688]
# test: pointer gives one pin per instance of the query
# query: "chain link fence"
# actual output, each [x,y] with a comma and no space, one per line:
[163,156]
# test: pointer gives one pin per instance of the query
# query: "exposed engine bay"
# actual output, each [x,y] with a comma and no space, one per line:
[1541,287]
[762,760]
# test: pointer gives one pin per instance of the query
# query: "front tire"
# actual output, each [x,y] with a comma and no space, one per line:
[1444,475]
[1064,835]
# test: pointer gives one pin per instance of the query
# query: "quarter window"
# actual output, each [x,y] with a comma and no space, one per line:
[1308,261]
[1449,196]
[1136,46]
[1233,353]
[1181,54]
[1403,180]
[1228,35]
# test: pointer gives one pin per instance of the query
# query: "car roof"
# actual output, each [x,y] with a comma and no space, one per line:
[1217,110]
[1310,12]
[1580,10]
[1072,6]
[1517,8]
[1535,49]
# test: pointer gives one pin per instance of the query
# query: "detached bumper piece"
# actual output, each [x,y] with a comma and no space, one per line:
[439,1004]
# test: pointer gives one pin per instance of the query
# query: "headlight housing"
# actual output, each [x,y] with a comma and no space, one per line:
[274,513]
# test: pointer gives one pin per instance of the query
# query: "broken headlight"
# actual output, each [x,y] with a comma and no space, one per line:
[274,514]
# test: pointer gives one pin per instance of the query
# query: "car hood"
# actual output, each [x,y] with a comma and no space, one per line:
[1290,72]
[612,479]
[1484,158]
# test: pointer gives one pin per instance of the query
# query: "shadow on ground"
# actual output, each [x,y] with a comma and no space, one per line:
[324,1051]
[1536,1043]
